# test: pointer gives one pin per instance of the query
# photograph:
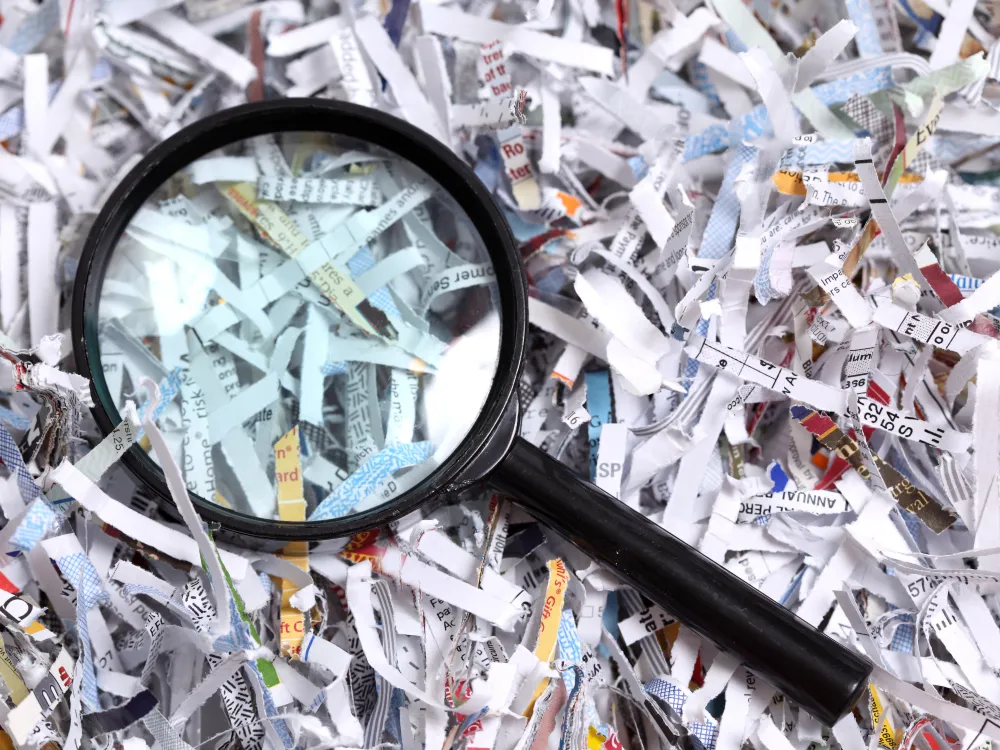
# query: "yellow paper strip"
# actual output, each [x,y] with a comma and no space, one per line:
[39,632]
[291,507]
[548,629]
[887,738]
[334,282]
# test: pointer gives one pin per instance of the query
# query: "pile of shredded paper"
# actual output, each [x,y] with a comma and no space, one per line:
[762,240]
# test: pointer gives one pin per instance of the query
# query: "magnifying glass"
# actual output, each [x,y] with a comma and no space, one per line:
[316,264]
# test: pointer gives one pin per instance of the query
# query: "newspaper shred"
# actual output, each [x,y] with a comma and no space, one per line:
[763,244]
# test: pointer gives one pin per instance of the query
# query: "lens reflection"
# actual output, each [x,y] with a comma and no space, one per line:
[299,298]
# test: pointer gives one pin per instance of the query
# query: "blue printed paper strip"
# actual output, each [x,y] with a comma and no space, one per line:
[867,39]
[571,650]
[702,82]
[720,232]
[335,368]
[824,152]
[10,454]
[676,697]
[14,419]
[35,28]
[169,387]
[599,407]
[39,521]
[754,123]
[366,480]
[77,569]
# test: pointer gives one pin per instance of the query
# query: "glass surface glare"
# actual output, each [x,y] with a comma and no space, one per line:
[302,280]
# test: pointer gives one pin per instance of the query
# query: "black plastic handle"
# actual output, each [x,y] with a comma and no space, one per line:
[819,674]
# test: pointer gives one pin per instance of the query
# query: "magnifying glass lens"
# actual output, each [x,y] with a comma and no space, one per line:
[308,280]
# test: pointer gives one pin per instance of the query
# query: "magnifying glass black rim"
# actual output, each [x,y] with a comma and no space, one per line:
[305,116]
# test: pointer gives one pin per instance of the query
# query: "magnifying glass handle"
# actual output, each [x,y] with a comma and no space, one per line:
[820,675]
